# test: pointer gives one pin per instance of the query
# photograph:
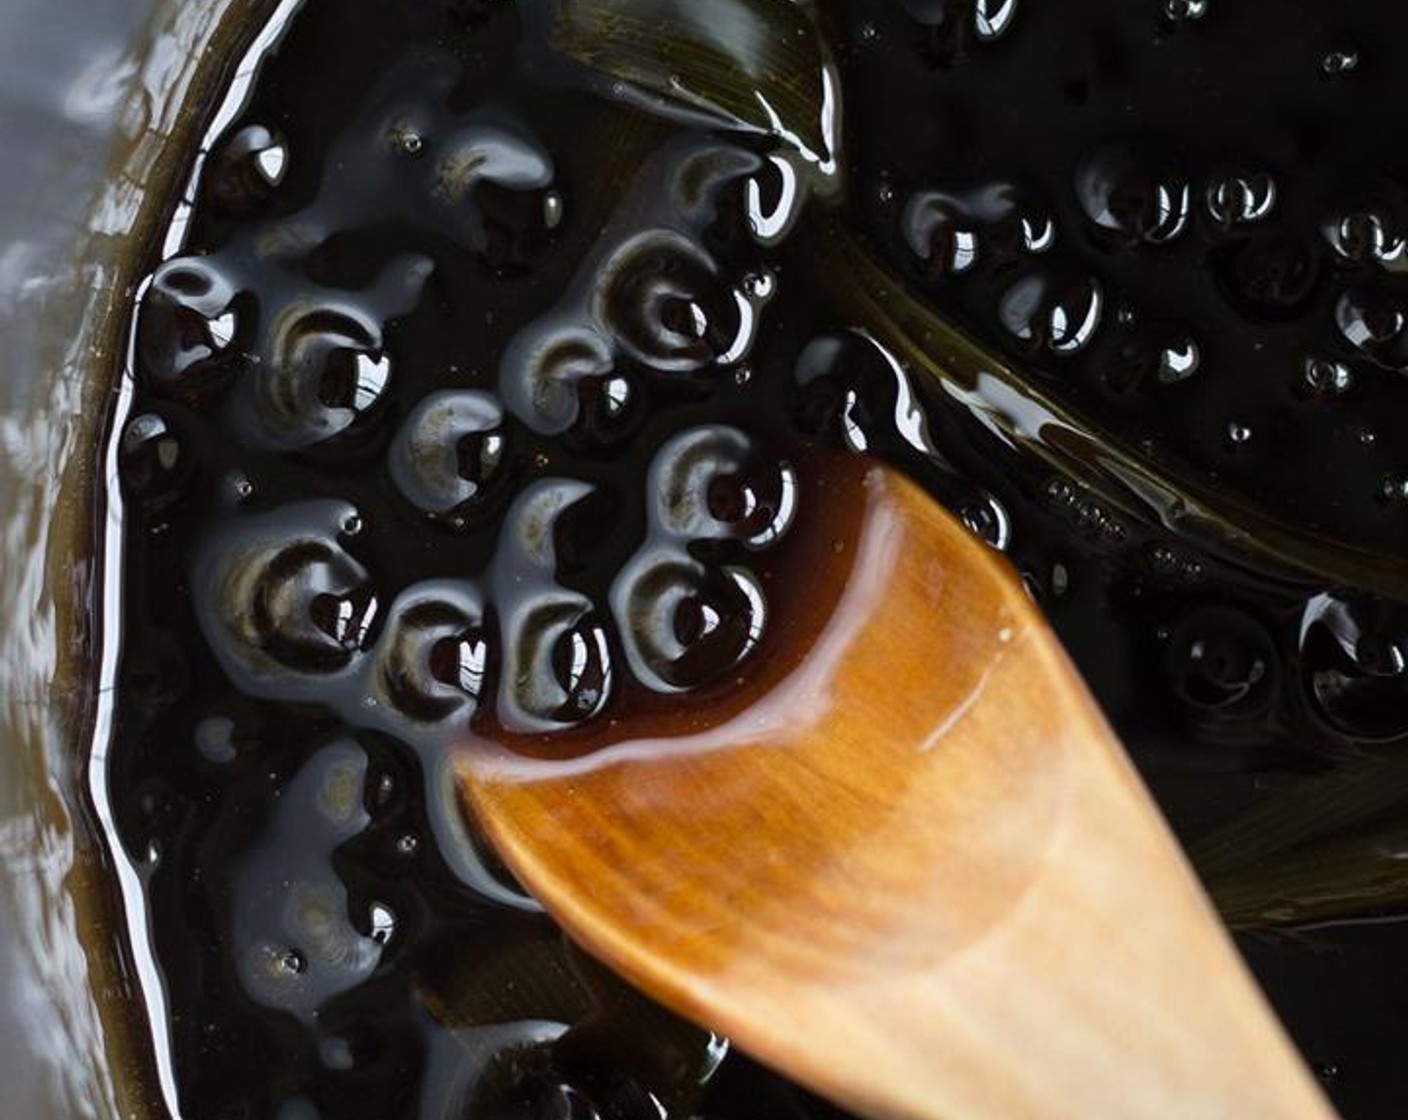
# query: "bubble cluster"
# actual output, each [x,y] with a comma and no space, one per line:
[650,302]
[1085,514]
[685,622]
[410,506]
[281,351]
[1174,565]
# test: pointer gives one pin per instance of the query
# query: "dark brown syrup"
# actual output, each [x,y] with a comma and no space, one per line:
[486,396]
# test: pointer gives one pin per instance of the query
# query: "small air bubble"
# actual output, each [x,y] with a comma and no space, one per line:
[1241,199]
[215,739]
[1394,489]
[1367,437]
[759,285]
[1179,362]
[1339,62]
[1322,377]
[1238,434]
[1132,198]
[407,845]
[553,209]
[241,488]
[1059,492]
[1163,561]
[742,375]
[1359,236]
[407,141]
[1181,11]
[352,525]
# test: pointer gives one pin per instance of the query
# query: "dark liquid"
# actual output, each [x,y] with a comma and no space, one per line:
[449,321]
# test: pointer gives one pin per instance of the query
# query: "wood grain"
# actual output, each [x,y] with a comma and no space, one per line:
[918,874]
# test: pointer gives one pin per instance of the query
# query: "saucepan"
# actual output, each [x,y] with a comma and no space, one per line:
[95,105]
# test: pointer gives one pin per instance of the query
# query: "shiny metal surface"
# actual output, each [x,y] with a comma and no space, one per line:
[95,103]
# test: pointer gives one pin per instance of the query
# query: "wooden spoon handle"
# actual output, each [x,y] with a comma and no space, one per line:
[919,876]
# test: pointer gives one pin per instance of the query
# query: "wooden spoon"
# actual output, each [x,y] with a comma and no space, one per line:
[915,872]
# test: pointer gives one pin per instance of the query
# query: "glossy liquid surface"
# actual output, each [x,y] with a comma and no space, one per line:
[483,394]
